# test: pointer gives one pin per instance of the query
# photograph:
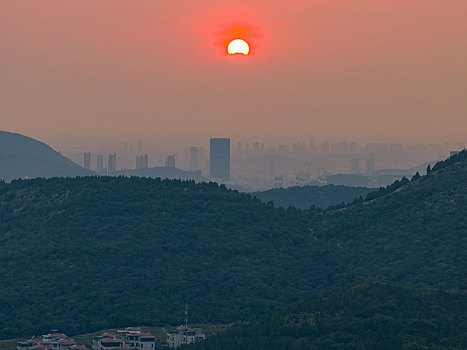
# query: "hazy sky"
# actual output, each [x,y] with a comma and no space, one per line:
[339,69]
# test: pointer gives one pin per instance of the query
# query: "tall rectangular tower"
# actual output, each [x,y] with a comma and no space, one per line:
[219,158]
[170,161]
[100,163]
[87,160]
[370,165]
[142,162]
[112,165]
[354,166]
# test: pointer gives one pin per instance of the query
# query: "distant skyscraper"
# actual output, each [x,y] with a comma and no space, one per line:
[112,164]
[100,163]
[353,148]
[170,161]
[219,158]
[370,165]
[255,147]
[194,156]
[142,162]
[87,160]
[354,166]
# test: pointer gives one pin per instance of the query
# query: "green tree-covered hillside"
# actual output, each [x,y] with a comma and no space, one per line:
[366,317]
[92,253]
[414,232]
[99,252]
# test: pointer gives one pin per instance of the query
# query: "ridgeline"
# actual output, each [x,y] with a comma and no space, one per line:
[24,157]
[306,197]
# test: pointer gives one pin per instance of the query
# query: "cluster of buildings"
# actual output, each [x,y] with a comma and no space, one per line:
[355,168]
[184,335]
[130,338]
[219,160]
[52,341]
[256,166]
[111,162]
[134,339]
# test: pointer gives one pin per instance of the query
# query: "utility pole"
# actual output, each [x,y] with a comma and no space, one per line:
[186,315]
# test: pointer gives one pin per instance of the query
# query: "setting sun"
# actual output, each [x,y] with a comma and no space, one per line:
[238,46]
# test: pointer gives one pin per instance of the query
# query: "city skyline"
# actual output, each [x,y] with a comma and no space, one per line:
[261,166]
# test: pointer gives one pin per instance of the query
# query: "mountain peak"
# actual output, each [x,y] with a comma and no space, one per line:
[25,157]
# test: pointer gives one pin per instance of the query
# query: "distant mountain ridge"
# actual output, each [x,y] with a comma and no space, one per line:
[306,197]
[24,157]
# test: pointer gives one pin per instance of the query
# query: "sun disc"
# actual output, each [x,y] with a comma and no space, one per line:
[238,46]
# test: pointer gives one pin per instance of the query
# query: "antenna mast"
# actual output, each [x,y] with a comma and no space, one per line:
[186,315]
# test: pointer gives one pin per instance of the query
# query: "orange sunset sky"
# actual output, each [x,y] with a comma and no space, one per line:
[338,69]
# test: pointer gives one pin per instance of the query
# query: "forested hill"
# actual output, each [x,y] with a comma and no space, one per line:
[370,316]
[308,196]
[84,254]
[413,232]
[90,253]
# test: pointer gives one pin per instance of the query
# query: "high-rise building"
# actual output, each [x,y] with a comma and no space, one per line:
[219,158]
[112,164]
[87,160]
[142,162]
[170,161]
[100,163]
[354,166]
[353,148]
[255,147]
[194,156]
[370,165]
